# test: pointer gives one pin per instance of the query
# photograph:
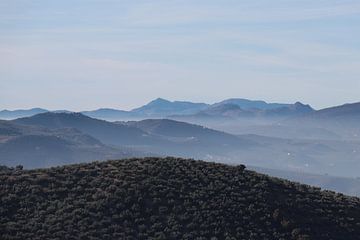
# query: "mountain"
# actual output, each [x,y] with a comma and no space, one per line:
[296,109]
[247,104]
[182,131]
[8,114]
[347,115]
[343,120]
[162,108]
[168,199]
[35,147]
[108,114]
[230,110]
[157,108]
[107,132]
[347,112]
[198,142]
[226,110]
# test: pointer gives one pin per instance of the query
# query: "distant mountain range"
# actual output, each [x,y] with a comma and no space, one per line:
[162,108]
[247,104]
[235,108]
[231,110]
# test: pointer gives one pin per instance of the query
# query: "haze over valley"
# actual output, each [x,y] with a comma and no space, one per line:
[275,136]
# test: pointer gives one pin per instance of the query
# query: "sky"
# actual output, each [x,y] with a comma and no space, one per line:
[82,55]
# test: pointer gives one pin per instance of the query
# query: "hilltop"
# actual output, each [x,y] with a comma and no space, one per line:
[168,198]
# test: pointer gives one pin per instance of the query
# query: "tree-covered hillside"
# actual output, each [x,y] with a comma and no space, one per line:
[168,198]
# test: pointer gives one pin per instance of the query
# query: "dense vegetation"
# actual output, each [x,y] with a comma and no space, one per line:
[168,199]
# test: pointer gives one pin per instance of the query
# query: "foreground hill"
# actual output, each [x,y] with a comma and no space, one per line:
[168,199]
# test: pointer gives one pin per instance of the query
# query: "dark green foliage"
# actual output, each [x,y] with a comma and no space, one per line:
[168,199]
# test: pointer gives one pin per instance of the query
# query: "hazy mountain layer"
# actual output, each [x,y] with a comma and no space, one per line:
[173,138]
[8,114]
[35,147]
[106,132]
[199,143]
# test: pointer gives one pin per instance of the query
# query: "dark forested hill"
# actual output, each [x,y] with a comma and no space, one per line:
[168,199]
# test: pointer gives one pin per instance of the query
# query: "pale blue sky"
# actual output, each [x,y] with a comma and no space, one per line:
[81,55]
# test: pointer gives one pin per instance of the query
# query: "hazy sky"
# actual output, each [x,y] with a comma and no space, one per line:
[81,55]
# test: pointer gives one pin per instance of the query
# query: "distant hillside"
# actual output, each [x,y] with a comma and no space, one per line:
[296,109]
[349,111]
[199,142]
[247,104]
[226,110]
[343,120]
[229,110]
[35,147]
[8,114]
[181,130]
[161,107]
[168,199]
[107,132]
[107,113]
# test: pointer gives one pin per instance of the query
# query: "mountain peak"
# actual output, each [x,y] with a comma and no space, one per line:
[300,105]
[159,100]
[161,108]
